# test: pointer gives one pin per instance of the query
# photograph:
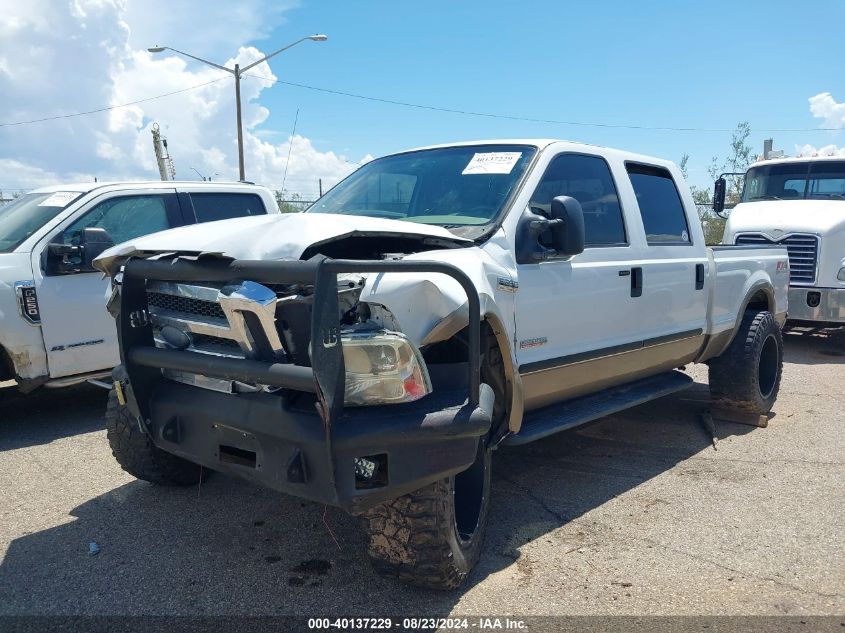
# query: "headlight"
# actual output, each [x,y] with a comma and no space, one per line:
[841,275]
[383,368]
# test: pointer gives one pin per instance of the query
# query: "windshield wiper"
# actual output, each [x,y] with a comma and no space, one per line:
[766,197]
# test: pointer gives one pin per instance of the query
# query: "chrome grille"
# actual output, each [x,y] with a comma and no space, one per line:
[803,251]
[193,309]
[185,305]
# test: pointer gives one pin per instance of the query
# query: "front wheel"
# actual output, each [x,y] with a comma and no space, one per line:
[137,455]
[432,537]
[746,377]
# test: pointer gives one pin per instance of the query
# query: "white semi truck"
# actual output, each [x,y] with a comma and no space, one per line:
[798,203]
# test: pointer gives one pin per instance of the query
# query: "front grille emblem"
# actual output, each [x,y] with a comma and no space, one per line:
[250,309]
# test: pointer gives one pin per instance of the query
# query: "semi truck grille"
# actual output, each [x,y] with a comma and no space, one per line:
[803,254]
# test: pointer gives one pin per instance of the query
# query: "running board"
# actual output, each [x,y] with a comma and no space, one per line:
[549,420]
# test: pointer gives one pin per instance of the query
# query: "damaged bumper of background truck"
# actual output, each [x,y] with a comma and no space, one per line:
[299,439]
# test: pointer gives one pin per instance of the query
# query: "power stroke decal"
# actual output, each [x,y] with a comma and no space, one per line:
[62,348]
[533,342]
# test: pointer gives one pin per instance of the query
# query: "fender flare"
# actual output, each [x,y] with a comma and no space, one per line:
[513,379]
[718,344]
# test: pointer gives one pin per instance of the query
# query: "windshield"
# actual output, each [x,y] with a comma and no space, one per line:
[27,214]
[459,188]
[820,180]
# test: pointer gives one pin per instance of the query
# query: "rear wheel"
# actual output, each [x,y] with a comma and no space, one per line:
[433,537]
[137,455]
[746,377]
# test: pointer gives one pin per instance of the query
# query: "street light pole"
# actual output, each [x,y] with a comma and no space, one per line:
[238,72]
[241,172]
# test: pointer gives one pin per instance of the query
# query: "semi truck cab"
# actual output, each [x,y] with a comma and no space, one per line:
[799,203]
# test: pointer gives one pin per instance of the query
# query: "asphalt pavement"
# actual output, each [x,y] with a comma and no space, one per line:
[635,514]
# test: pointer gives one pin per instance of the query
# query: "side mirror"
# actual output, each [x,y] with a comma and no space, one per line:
[67,259]
[94,242]
[719,189]
[540,238]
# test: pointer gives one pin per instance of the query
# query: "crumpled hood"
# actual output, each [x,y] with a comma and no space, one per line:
[778,217]
[266,237]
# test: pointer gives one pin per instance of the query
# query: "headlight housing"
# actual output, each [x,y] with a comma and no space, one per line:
[382,367]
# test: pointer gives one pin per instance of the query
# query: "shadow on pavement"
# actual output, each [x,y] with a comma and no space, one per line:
[231,548]
[814,346]
[49,414]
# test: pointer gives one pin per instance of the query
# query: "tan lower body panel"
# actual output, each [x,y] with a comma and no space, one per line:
[548,386]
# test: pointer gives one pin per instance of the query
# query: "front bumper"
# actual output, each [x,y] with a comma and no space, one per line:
[300,438]
[820,305]
[288,448]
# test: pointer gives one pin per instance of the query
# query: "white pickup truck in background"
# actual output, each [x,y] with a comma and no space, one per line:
[799,203]
[54,330]
[435,304]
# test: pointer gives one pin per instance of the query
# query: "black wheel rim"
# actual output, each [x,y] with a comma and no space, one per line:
[767,369]
[470,495]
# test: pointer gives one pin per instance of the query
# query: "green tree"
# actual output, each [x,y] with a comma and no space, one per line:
[738,159]
[290,202]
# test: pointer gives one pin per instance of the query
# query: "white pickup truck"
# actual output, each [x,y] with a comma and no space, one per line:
[53,330]
[371,352]
[799,203]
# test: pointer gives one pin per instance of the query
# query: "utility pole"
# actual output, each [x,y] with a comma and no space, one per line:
[162,167]
[238,72]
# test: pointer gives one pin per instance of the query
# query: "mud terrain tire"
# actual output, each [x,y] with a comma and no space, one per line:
[746,377]
[138,456]
[432,537]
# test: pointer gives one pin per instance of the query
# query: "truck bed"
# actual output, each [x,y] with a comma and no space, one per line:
[743,275]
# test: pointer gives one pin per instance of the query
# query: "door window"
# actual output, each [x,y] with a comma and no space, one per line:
[209,207]
[663,214]
[124,218]
[588,180]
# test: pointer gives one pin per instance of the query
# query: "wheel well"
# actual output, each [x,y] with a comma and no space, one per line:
[759,301]
[7,367]
[495,367]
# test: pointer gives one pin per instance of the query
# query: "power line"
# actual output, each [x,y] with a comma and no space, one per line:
[114,107]
[420,106]
[510,117]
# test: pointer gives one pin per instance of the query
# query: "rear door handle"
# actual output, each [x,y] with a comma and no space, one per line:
[699,276]
[637,281]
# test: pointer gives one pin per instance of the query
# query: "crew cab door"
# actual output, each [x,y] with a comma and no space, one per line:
[674,268]
[578,319]
[79,334]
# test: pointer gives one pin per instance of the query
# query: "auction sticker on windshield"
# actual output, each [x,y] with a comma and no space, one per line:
[491,163]
[58,199]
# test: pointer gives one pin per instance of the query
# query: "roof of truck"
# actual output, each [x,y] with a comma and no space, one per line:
[794,159]
[543,143]
[85,187]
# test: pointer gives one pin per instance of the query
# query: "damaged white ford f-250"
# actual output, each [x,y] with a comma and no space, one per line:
[371,352]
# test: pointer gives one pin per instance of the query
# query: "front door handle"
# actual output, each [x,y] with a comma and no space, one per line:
[637,281]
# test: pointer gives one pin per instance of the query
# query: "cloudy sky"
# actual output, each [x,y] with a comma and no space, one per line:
[573,66]
[59,57]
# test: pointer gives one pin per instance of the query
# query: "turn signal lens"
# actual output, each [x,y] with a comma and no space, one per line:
[383,368]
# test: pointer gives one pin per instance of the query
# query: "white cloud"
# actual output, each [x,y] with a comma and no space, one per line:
[58,58]
[824,106]
[827,150]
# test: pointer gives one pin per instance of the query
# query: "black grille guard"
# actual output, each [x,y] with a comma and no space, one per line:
[143,361]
